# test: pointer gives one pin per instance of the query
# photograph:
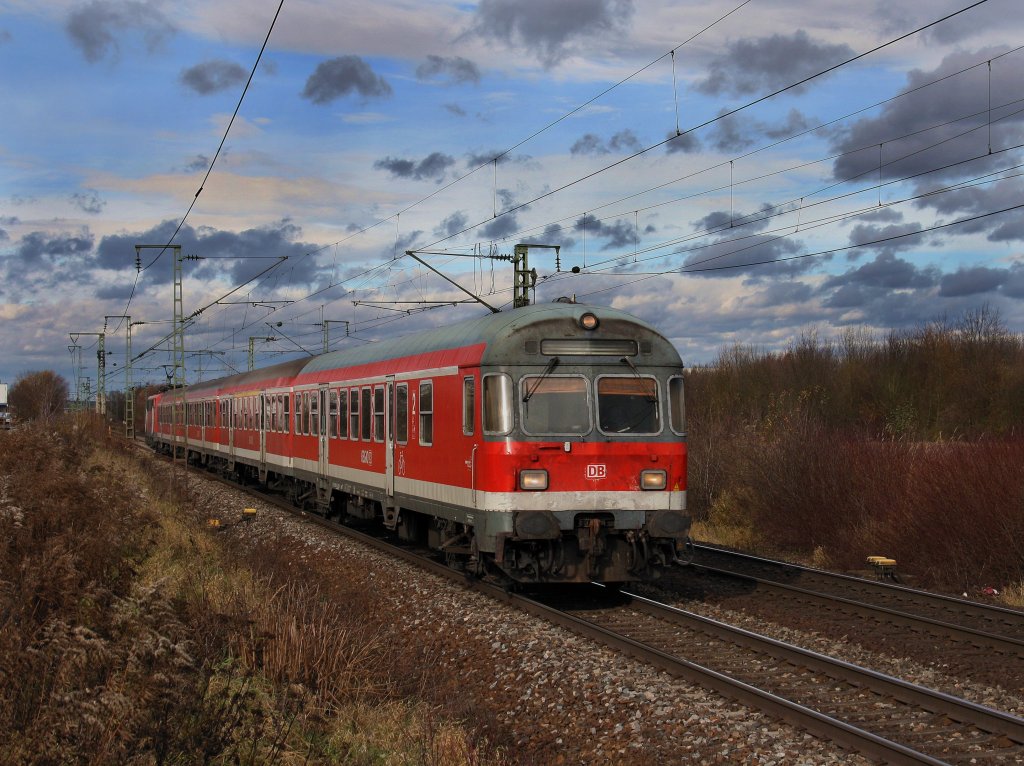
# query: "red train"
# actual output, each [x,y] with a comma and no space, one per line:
[546,443]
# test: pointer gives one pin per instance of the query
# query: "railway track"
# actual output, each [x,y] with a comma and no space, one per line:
[875,714]
[878,716]
[984,625]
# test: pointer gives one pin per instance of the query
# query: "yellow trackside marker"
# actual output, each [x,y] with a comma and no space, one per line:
[213,522]
[249,512]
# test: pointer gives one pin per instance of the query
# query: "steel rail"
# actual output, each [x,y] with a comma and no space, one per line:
[820,724]
[991,615]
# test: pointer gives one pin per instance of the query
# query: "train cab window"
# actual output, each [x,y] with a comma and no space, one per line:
[314,413]
[627,405]
[343,414]
[426,413]
[676,405]
[353,414]
[497,404]
[555,405]
[402,413]
[378,414]
[468,404]
[367,403]
[333,414]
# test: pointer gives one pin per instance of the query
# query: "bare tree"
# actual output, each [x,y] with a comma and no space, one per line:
[38,395]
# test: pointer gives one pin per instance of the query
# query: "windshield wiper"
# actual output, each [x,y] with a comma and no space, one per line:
[652,398]
[547,371]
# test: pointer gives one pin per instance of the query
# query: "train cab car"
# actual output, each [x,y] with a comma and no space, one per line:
[546,442]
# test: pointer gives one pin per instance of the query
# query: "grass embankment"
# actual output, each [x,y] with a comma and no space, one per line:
[910,447]
[129,635]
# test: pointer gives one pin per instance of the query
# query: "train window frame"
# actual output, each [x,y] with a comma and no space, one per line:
[379,403]
[353,414]
[366,409]
[286,415]
[672,401]
[426,416]
[657,404]
[528,384]
[332,414]
[402,413]
[342,413]
[468,405]
[314,413]
[502,407]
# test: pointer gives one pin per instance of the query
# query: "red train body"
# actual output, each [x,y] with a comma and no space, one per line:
[547,442]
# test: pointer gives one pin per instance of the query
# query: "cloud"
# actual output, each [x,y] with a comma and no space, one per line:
[39,246]
[499,228]
[212,76]
[452,225]
[89,201]
[768,63]
[548,29]
[926,128]
[476,159]
[5,36]
[457,69]
[455,109]
[616,235]
[432,167]
[199,162]
[888,272]
[342,76]
[96,27]
[228,253]
[623,141]
[978,200]
[687,143]
[896,232]
[972,281]
[728,135]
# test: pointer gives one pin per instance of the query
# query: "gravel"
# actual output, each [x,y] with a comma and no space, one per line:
[559,698]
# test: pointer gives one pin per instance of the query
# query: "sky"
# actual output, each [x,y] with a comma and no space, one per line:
[732,172]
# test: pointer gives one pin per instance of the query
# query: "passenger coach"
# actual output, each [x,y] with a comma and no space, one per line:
[547,442]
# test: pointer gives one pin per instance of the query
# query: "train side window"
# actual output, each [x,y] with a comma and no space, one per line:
[402,413]
[333,414]
[426,413]
[286,415]
[676,405]
[353,414]
[343,414]
[367,404]
[378,414]
[468,404]
[314,413]
[273,404]
[497,404]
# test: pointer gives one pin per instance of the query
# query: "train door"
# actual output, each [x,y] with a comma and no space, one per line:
[324,463]
[261,423]
[389,439]
[231,428]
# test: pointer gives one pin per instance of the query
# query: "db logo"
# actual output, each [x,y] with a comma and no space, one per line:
[597,471]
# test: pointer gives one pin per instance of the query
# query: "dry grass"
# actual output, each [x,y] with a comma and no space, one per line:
[129,635]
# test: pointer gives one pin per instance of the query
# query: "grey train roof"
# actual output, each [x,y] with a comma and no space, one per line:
[490,329]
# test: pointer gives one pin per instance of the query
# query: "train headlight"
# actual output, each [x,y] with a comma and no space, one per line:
[589,321]
[534,480]
[653,479]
